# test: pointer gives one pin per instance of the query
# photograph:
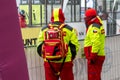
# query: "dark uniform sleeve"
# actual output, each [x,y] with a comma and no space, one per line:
[39,49]
[73,43]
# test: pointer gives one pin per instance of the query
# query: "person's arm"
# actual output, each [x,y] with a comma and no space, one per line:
[74,44]
[95,39]
[40,42]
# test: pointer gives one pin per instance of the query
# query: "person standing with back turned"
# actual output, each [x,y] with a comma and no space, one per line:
[94,43]
[62,67]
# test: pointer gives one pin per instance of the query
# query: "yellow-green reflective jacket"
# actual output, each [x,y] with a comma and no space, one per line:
[95,38]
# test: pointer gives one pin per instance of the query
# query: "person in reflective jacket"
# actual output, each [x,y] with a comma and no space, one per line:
[94,43]
[70,38]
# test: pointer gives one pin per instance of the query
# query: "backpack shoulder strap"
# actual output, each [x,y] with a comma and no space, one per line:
[50,26]
[61,26]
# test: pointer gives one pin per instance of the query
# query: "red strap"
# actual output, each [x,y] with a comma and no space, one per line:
[50,26]
[60,27]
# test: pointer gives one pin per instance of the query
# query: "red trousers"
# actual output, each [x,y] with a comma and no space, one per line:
[65,74]
[94,70]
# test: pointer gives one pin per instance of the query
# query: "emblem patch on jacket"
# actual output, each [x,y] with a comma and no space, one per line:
[94,31]
[102,31]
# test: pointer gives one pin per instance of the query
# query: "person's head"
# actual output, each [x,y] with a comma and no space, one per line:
[22,13]
[90,13]
[57,15]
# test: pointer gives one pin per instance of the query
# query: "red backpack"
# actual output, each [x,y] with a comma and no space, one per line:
[54,47]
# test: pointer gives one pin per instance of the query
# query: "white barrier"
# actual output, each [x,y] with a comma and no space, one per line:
[81,29]
[111,67]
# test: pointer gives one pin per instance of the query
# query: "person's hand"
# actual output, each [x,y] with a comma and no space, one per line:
[73,58]
[92,59]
